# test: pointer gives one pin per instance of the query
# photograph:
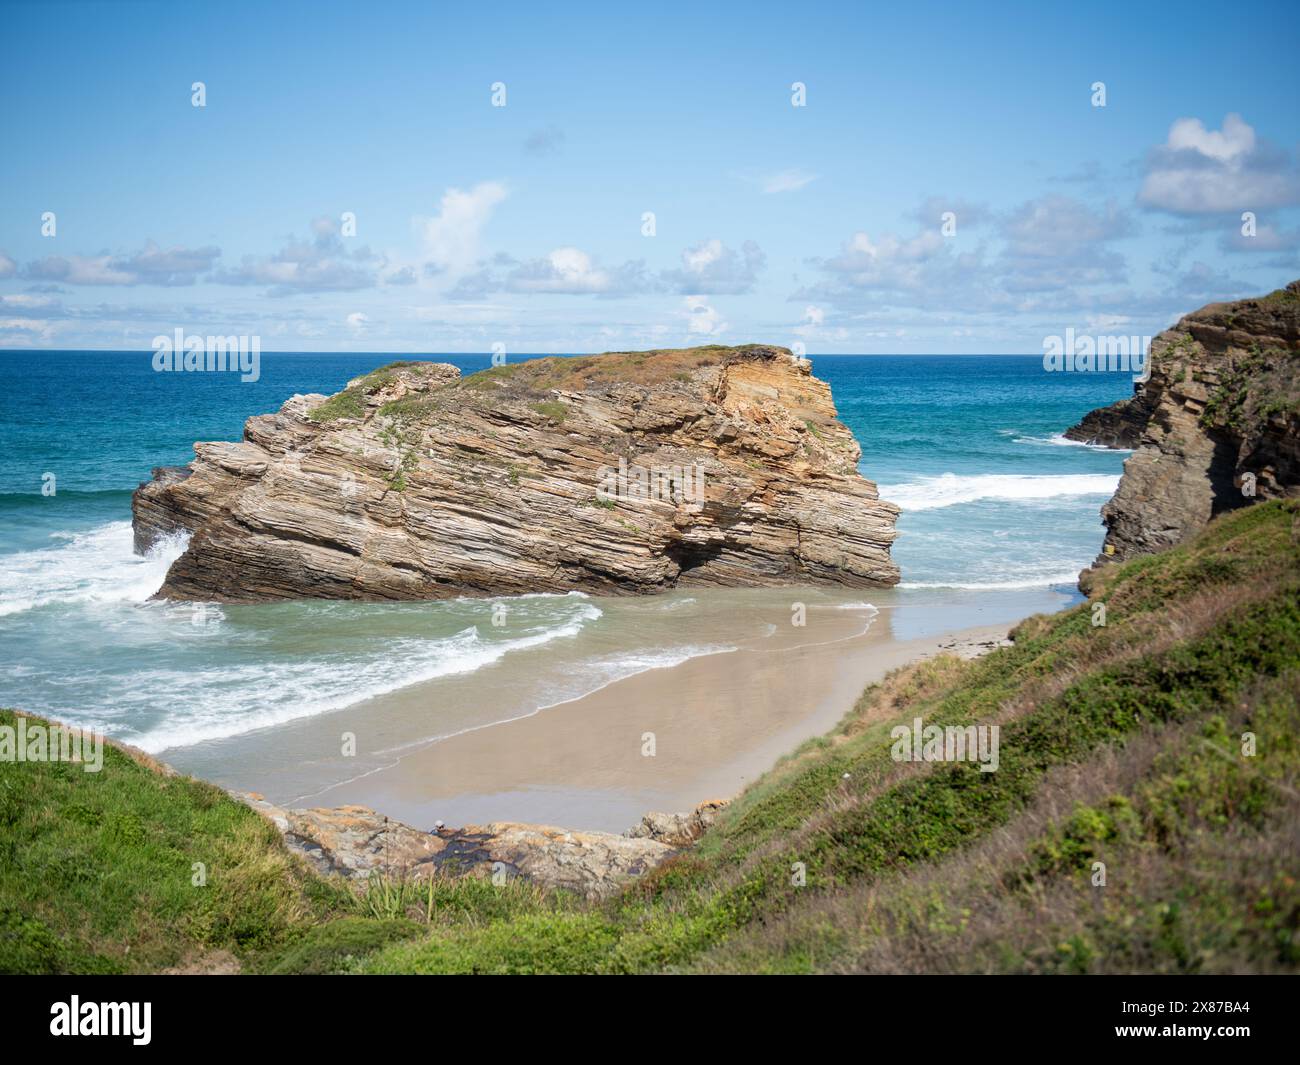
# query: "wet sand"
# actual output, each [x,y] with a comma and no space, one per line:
[713,724]
[545,736]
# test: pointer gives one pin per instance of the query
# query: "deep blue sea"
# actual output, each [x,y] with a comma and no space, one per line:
[993,499]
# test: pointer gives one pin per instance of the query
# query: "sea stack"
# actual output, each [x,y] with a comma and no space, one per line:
[627,472]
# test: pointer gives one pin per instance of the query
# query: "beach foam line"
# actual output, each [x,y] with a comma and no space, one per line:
[949,489]
[98,566]
[624,666]
[236,700]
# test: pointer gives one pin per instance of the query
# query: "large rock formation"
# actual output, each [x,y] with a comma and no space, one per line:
[627,472]
[1217,425]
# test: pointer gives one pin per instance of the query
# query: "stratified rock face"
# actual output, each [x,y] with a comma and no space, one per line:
[1221,426]
[1119,426]
[628,472]
[355,843]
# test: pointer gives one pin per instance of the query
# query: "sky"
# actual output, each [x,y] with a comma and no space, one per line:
[574,178]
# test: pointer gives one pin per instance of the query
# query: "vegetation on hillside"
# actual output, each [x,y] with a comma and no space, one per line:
[1158,751]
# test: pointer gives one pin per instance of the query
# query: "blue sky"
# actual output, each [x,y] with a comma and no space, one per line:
[522,225]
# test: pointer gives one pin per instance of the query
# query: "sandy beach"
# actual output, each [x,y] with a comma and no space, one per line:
[663,738]
[717,723]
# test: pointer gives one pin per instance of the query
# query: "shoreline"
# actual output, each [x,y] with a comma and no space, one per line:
[715,723]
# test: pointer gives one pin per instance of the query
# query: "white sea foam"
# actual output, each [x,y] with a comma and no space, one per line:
[99,566]
[1061,440]
[601,671]
[947,490]
[232,700]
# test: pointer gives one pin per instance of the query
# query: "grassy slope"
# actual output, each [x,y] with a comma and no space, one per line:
[1120,744]
[97,870]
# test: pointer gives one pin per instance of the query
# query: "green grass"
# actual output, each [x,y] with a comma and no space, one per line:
[350,403]
[1121,744]
[551,410]
[531,383]
[538,377]
[98,870]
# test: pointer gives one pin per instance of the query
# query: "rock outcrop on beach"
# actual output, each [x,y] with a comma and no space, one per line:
[618,473]
[355,842]
[1216,426]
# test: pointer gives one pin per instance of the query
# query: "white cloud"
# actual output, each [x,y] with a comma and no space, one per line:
[357,321]
[451,238]
[321,264]
[712,268]
[7,266]
[151,265]
[701,319]
[1203,171]
[1049,226]
[32,306]
[1189,134]
[566,271]
[888,262]
[813,326]
[16,332]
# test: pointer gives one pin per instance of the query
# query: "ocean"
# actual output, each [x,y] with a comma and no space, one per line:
[995,503]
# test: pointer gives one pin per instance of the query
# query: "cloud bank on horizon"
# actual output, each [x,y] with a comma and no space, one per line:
[424,179]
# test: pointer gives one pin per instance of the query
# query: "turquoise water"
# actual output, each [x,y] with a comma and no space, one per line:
[993,500]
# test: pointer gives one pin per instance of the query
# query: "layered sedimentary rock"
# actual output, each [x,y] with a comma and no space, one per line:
[1216,426]
[355,842]
[626,472]
[1118,426]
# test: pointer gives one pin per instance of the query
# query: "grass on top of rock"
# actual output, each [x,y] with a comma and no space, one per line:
[579,373]
[351,402]
[1158,750]
[534,380]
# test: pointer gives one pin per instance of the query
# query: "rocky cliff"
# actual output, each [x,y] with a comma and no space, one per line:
[625,472]
[1216,426]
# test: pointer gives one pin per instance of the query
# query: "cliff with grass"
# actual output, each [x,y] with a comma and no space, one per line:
[1144,816]
[625,472]
[1215,427]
